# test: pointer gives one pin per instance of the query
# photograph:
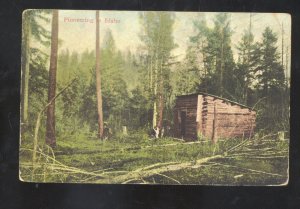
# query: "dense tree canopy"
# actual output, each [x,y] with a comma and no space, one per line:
[139,87]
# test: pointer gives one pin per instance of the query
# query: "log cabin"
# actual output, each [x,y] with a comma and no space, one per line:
[209,117]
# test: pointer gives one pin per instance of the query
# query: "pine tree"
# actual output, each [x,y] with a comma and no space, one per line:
[218,63]
[113,88]
[248,61]
[157,29]
[98,80]
[32,29]
[50,126]
[270,73]
[271,82]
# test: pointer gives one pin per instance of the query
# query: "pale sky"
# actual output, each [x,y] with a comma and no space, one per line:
[79,36]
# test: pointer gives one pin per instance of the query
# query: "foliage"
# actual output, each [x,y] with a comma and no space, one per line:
[255,162]
[134,83]
[157,37]
[271,84]
[139,90]
[114,89]
[256,80]
[37,89]
[216,55]
[35,19]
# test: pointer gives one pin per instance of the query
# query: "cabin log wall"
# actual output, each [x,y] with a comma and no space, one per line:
[188,105]
[211,117]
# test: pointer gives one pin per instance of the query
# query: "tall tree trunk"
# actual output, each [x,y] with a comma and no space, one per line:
[161,101]
[50,126]
[25,66]
[98,80]
[154,121]
[248,61]
[155,85]
[151,74]
[286,66]
[222,63]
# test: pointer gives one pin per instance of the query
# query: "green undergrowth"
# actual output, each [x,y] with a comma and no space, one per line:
[136,150]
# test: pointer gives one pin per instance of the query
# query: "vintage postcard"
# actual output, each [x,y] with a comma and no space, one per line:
[133,97]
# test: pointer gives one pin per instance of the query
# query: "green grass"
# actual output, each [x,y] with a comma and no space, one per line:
[128,153]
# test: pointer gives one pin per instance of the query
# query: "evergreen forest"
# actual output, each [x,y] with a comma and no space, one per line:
[105,114]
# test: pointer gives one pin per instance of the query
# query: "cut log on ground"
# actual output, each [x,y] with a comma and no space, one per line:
[158,169]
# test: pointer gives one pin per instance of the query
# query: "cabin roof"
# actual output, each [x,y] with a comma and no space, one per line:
[206,94]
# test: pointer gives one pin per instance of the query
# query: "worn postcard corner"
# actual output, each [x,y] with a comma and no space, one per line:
[145,97]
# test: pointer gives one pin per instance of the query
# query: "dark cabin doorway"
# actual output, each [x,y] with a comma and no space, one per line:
[183,123]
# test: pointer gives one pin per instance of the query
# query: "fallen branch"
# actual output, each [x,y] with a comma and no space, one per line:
[38,122]
[58,166]
[160,174]
[146,172]
[39,118]
[239,145]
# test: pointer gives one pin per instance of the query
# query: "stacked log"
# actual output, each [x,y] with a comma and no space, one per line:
[189,106]
[212,117]
[232,120]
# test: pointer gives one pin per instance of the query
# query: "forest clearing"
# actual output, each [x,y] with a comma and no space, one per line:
[155,98]
[138,159]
